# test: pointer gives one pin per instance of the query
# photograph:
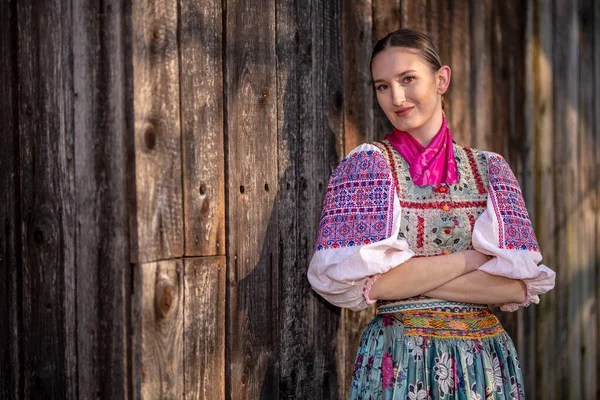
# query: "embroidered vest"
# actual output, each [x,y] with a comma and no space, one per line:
[439,219]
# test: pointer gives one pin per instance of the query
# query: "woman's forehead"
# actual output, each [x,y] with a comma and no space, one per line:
[396,60]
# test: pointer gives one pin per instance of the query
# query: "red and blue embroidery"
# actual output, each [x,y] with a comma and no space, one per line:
[515,230]
[358,208]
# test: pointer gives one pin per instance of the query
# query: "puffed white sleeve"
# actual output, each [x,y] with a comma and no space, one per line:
[357,240]
[505,232]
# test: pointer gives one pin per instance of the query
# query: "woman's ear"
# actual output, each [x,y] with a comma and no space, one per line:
[443,79]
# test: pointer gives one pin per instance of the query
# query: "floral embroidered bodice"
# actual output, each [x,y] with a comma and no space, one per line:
[439,219]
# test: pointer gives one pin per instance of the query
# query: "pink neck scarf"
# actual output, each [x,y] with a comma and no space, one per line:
[429,165]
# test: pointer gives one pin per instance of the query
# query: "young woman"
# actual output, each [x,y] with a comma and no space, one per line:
[432,232]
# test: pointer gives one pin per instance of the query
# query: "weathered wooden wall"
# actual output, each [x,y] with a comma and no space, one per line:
[163,167]
[65,255]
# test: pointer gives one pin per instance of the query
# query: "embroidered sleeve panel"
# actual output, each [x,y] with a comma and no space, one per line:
[514,225]
[358,206]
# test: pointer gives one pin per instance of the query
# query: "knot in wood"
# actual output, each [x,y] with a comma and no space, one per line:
[165,301]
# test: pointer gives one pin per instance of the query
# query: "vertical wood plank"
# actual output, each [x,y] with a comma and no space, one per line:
[252,254]
[433,22]
[10,259]
[157,222]
[458,96]
[47,199]
[102,120]
[307,148]
[204,328]
[202,127]
[596,139]
[544,222]
[331,122]
[587,307]
[414,15]
[566,81]
[482,86]
[500,72]
[158,311]
[357,25]
[386,18]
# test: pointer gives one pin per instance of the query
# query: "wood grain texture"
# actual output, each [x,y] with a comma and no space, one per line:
[252,254]
[204,328]
[595,134]
[158,331]
[566,70]
[10,258]
[47,203]
[386,18]
[588,182]
[544,217]
[201,37]
[102,120]
[357,28]
[482,85]
[414,15]
[458,97]
[307,148]
[157,218]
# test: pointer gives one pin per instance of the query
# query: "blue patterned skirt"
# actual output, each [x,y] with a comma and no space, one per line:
[445,350]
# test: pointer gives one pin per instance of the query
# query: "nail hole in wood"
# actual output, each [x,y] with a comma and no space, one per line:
[242,189]
[150,137]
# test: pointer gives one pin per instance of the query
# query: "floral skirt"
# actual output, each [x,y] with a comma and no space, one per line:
[435,354]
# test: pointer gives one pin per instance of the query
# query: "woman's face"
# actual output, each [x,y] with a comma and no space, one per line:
[407,91]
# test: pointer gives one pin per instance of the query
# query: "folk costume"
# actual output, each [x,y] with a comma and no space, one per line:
[392,200]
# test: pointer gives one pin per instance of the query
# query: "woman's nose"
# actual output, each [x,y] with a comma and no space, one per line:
[398,96]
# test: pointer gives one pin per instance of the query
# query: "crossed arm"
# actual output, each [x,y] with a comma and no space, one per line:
[451,277]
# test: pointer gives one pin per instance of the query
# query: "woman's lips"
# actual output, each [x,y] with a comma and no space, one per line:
[404,112]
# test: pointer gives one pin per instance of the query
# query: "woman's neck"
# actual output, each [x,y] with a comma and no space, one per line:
[427,131]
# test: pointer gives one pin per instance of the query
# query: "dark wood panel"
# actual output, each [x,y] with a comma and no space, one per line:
[386,18]
[458,97]
[202,127]
[588,182]
[252,254]
[204,328]
[307,148]
[414,15]
[102,121]
[566,69]
[47,200]
[10,256]
[157,217]
[482,84]
[544,218]
[158,302]
[595,134]
[357,30]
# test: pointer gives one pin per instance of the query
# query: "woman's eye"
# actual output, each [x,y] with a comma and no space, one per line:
[409,79]
[381,87]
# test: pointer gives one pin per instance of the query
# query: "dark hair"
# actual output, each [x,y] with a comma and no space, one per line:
[411,39]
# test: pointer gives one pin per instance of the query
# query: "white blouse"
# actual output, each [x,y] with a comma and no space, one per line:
[360,222]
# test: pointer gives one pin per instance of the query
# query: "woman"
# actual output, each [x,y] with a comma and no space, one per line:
[432,232]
